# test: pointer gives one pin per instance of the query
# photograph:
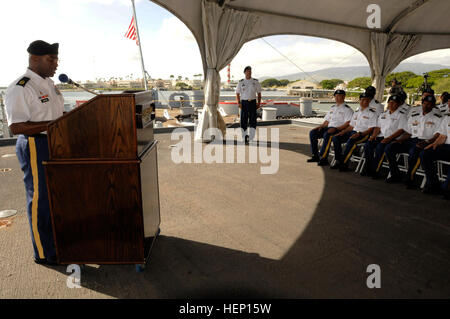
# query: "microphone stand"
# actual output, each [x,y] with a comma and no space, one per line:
[81,87]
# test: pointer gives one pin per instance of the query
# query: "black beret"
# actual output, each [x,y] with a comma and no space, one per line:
[40,47]
[371,88]
[429,98]
[247,68]
[402,95]
[395,98]
[339,92]
[365,95]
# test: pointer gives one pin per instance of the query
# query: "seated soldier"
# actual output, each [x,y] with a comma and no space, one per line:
[405,106]
[371,91]
[419,133]
[389,127]
[444,106]
[427,92]
[361,126]
[439,150]
[336,120]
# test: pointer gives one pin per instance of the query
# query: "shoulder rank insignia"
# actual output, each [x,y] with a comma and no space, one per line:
[401,111]
[347,106]
[376,101]
[372,110]
[439,116]
[241,80]
[255,79]
[23,81]
[415,114]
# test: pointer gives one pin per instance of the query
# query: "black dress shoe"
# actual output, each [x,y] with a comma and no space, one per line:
[365,172]
[446,195]
[432,190]
[323,162]
[43,261]
[393,179]
[313,159]
[410,184]
[375,175]
[336,165]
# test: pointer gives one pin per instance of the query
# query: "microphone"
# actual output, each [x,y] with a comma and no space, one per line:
[65,79]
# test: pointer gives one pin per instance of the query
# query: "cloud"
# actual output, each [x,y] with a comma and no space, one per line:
[284,55]
[173,50]
[434,57]
[92,43]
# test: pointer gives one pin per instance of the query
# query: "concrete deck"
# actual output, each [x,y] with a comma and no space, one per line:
[228,231]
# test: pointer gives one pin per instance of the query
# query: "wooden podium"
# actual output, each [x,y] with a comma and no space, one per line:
[102,180]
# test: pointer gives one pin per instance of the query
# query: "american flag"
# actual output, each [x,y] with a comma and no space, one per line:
[132,33]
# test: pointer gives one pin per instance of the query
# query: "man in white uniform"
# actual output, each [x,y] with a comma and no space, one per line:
[420,131]
[372,91]
[337,119]
[444,106]
[439,150]
[361,126]
[31,102]
[247,91]
[389,127]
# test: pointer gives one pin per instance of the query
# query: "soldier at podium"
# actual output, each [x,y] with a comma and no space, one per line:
[32,101]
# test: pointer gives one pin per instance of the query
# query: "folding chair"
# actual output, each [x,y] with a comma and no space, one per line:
[440,171]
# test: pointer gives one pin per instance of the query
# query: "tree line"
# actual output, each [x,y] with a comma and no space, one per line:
[438,79]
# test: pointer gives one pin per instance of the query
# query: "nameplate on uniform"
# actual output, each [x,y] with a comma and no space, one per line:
[44,98]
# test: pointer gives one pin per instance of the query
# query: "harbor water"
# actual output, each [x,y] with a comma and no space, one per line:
[176,99]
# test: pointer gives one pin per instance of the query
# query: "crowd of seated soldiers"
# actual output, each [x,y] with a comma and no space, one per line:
[421,131]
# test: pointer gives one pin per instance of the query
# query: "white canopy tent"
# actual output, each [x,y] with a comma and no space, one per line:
[221,27]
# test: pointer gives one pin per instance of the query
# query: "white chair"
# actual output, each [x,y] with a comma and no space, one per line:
[440,165]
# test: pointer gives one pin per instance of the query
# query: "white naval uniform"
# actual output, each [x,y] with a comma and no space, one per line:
[362,120]
[338,115]
[406,107]
[248,89]
[377,106]
[389,123]
[444,108]
[34,100]
[423,126]
[444,128]
[414,108]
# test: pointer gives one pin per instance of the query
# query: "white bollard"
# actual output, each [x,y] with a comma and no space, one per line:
[269,114]
[306,106]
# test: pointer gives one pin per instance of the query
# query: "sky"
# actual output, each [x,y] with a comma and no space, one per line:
[93,45]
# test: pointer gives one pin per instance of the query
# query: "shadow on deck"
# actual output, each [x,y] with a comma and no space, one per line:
[305,232]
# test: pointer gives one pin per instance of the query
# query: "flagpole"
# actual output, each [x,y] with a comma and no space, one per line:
[140,49]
